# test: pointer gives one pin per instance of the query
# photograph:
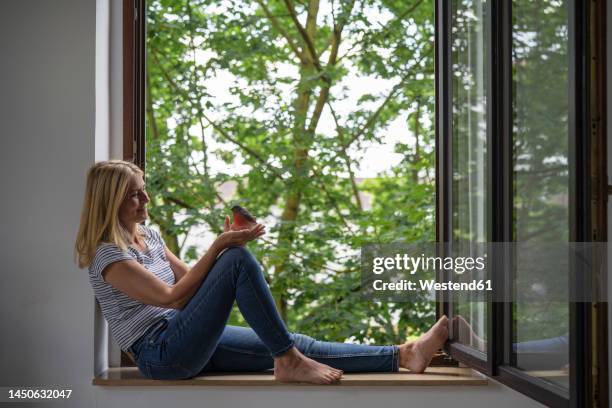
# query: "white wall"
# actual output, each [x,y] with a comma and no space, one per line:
[46,133]
[46,144]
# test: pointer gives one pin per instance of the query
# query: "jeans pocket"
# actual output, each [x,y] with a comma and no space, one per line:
[166,371]
[155,331]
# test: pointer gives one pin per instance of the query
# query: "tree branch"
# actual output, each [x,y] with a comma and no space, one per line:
[332,200]
[242,146]
[179,202]
[215,126]
[417,135]
[398,18]
[282,32]
[194,84]
[150,112]
[311,19]
[182,244]
[339,24]
[346,158]
[394,90]
[386,28]
[307,40]
[331,61]
[302,258]
[318,109]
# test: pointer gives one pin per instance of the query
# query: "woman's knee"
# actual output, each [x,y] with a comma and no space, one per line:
[237,252]
[243,258]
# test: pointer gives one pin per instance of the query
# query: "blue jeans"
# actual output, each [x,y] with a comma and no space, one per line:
[197,339]
[543,354]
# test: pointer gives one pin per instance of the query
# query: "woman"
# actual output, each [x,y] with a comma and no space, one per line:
[172,319]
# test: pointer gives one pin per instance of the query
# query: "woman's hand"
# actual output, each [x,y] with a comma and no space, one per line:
[230,238]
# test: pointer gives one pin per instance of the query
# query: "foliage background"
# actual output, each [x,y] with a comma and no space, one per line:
[281,100]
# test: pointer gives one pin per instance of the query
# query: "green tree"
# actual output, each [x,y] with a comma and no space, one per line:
[253,86]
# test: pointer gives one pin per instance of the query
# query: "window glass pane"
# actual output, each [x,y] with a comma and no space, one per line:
[469,153]
[541,176]
[330,156]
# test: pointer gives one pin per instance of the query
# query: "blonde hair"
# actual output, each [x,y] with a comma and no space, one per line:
[106,188]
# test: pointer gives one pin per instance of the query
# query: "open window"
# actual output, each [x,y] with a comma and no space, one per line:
[520,144]
[519,141]
[315,114]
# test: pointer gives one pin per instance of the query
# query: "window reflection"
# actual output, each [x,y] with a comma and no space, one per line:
[468,49]
[541,176]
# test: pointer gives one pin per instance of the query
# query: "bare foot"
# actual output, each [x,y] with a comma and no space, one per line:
[293,366]
[416,355]
[466,334]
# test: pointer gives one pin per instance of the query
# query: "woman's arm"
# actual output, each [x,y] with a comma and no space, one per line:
[136,282]
[179,268]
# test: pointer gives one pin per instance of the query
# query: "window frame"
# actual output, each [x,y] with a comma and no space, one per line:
[499,116]
[585,21]
[134,68]
[133,77]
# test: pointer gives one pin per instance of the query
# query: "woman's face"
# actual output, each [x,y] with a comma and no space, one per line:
[133,210]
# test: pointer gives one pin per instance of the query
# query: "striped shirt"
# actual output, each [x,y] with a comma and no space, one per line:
[127,318]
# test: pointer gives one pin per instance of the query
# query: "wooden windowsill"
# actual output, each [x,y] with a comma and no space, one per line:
[440,376]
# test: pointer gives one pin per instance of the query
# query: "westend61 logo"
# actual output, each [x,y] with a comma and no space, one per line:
[396,270]
[411,265]
[401,272]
